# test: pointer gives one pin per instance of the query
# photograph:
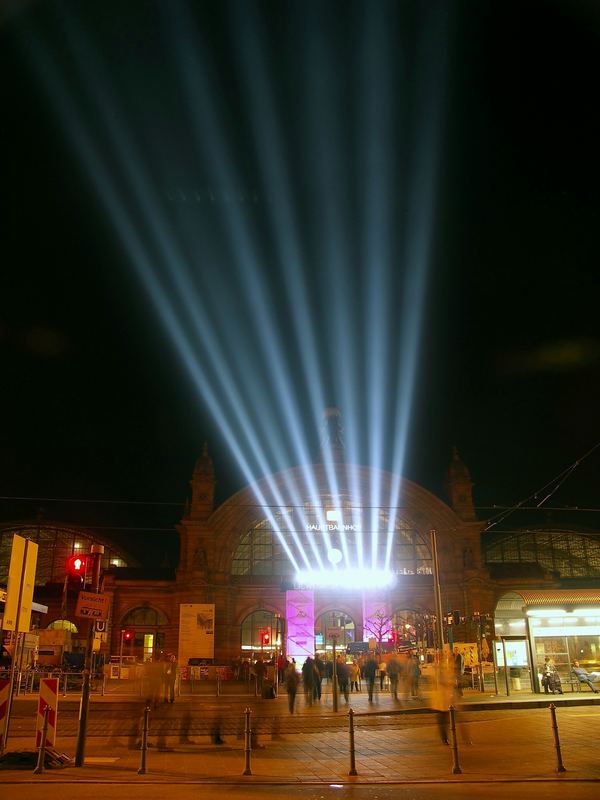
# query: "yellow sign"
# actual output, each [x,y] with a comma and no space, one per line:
[469,652]
[91,606]
[21,580]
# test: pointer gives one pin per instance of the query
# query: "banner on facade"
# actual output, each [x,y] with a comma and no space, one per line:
[300,624]
[196,631]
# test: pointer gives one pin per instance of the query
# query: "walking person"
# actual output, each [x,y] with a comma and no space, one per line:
[393,672]
[370,671]
[343,676]
[308,680]
[291,680]
[170,676]
[382,671]
[354,670]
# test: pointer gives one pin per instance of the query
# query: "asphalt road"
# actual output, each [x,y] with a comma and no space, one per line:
[545,790]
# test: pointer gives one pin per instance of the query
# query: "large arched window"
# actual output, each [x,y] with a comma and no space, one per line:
[573,555]
[56,545]
[260,553]
[311,534]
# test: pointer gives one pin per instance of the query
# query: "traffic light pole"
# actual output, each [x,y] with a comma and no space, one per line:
[97,551]
[437,592]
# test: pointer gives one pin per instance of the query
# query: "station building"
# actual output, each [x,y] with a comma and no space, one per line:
[519,595]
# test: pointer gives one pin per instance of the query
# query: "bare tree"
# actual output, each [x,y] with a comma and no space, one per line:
[379,626]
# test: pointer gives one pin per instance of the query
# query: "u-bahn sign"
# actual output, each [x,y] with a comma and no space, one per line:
[91,606]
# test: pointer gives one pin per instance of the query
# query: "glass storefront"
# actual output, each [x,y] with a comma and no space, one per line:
[529,630]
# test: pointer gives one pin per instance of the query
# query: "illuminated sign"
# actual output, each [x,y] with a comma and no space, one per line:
[332,526]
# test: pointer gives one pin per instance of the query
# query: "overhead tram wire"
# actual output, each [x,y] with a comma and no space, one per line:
[82,500]
[556,483]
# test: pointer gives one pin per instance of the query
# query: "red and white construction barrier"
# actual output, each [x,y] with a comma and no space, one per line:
[48,697]
[4,690]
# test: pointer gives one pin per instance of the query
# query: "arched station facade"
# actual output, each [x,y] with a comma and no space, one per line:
[235,594]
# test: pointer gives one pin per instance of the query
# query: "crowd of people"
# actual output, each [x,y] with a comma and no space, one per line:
[400,673]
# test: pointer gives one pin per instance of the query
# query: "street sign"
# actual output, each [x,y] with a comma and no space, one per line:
[91,606]
[21,580]
[335,633]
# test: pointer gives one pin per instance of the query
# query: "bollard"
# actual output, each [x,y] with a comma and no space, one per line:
[103,684]
[456,770]
[560,766]
[39,770]
[144,749]
[64,693]
[247,742]
[352,755]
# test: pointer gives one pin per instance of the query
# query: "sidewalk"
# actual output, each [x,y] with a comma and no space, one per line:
[511,739]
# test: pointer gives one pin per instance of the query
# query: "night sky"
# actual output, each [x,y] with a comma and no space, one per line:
[96,403]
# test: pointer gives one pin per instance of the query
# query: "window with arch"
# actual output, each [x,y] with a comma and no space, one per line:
[256,627]
[62,625]
[56,545]
[334,620]
[310,534]
[573,555]
[143,617]
[148,639]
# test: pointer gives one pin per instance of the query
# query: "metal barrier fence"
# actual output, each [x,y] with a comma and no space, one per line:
[245,728]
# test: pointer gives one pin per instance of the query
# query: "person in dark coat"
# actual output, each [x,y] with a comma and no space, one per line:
[370,671]
[308,680]
[291,681]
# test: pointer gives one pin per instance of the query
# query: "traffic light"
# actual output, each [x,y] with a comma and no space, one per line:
[449,618]
[77,566]
[127,636]
[265,637]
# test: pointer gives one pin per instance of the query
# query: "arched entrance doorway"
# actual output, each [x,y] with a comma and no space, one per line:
[331,622]
[146,626]
[260,634]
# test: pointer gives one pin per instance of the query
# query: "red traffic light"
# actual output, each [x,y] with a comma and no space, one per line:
[265,638]
[77,565]
[127,636]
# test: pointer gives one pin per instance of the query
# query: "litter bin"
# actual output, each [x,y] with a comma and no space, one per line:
[515,678]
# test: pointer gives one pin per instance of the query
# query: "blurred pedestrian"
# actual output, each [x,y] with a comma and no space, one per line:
[354,670]
[291,680]
[170,676]
[343,676]
[308,680]
[370,671]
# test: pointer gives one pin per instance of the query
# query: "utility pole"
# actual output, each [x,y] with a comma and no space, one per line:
[437,592]
[97,551]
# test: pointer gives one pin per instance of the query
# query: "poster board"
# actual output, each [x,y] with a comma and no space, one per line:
[196,631]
